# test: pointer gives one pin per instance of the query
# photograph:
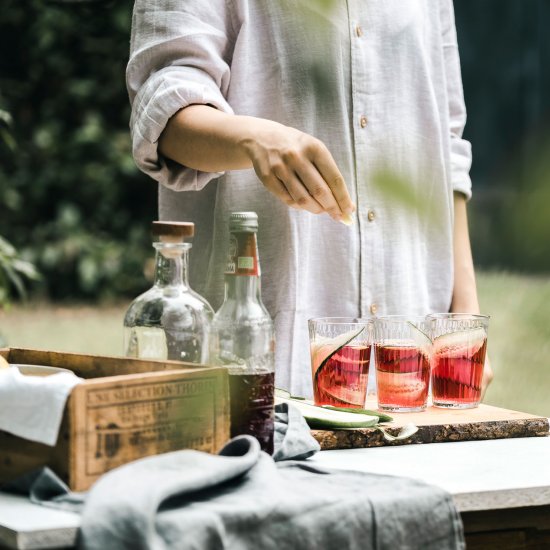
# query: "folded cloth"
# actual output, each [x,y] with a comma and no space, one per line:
[243,499]
[293,439]
[43,486]
[32,406]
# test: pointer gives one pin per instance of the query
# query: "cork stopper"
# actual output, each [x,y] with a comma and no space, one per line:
[172,232]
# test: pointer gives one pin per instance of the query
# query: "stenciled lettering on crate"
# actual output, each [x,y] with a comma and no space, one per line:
[124,410]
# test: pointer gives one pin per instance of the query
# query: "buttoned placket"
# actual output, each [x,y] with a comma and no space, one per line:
[358,12]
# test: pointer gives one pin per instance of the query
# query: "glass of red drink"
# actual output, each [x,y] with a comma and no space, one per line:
[402,353]
[340,358]
[459,349]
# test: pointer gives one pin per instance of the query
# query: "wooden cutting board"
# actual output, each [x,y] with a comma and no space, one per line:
[439,425]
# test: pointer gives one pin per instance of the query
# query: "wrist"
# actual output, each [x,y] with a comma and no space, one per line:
[247,142]
[256,134]
[465,305]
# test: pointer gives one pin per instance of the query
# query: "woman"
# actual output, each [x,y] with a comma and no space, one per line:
[296,110]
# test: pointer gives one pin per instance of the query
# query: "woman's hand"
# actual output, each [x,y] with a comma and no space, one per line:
[298,169]
[487,377]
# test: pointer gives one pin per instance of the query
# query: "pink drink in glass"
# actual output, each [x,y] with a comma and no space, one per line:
[402,376]
[458,370]
[342,380]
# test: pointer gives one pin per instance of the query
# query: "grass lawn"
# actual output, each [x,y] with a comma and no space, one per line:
[519,340]
[519,335]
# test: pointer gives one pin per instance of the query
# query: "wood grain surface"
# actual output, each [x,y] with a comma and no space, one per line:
[439,425]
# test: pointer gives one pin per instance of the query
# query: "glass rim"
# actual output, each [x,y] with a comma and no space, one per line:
[171,246]
[399,318]
[340,320]
[458,315]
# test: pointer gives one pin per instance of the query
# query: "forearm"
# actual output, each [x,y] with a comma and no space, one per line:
[465,298]
[204,138]
[296,167]
[465,290]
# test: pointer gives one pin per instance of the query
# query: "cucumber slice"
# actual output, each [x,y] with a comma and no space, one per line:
[404,433]
[333,418]
[326,348]
[320,417]
[463,342]
[324,351]
[421,339]
[381,416]
[282,396]
[331,423]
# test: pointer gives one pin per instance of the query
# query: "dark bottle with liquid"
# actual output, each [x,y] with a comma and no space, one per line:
[243,336]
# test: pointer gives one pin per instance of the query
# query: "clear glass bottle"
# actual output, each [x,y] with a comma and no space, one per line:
[243,337]
[169,321]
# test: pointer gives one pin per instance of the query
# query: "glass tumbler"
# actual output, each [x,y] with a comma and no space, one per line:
[402,354]
[459,350]
[340,358]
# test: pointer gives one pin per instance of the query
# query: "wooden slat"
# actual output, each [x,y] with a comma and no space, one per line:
[526,528]
[525,517]
[92,366]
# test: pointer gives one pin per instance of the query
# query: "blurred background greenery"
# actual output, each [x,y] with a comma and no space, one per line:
[73,201]
[74,205]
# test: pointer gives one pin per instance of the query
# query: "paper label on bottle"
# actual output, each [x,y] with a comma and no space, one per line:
[242,257]
[245,262]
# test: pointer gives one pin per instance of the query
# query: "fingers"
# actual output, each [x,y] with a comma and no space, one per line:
[318,190]
[326,166]
[299,170]
[276,186]
[487,377]
[291,191]
[297,190]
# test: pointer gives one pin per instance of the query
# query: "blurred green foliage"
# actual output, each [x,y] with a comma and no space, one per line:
[13,272]
[72,200]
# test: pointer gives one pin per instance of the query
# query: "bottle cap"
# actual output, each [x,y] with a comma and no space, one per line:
[172,231]
[243,221]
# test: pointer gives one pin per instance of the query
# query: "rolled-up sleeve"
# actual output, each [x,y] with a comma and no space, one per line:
[461,150]
[179,55]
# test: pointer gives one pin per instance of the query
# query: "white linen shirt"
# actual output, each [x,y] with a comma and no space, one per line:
[378,81]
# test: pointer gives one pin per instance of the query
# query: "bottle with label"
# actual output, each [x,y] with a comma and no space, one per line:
[243,337]
[169,321]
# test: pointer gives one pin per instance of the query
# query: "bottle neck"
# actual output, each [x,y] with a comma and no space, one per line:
[172,262]
[242,288]
[242,273]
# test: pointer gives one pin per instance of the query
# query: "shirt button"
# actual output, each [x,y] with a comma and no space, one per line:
[363,121]
[371,215]
[373,309]
[359,31]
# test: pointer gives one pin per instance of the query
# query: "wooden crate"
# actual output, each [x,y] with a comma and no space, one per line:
[124,410]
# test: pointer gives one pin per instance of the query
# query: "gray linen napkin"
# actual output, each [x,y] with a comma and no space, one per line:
[293,440]
[242,499]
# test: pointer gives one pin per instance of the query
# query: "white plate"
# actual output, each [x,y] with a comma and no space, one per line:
[38,370]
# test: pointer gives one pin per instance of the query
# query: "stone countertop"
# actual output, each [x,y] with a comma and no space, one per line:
[25,525]
[481,475]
